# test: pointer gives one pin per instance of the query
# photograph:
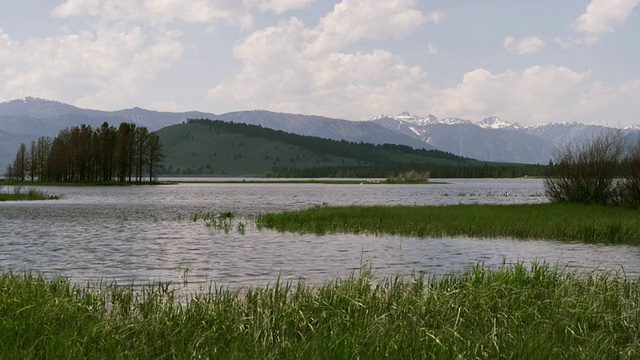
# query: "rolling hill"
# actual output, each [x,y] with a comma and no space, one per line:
[219,148]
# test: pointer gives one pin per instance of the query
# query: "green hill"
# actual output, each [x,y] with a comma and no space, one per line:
[218,148]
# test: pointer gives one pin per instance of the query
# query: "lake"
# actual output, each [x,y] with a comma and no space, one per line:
[144,234]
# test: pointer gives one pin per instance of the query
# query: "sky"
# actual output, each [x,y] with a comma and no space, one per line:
[525,61]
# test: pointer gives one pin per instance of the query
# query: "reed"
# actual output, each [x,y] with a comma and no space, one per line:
[561,221]
[517,311]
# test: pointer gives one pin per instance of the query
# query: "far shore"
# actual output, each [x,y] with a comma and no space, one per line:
[230,180]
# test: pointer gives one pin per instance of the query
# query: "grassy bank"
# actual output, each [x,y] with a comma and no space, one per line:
[525,312]
[30,194]
[588,223]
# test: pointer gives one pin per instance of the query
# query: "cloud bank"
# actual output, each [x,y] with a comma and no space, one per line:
[340,64]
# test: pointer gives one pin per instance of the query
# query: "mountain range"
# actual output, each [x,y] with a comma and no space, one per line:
[493,139]
[490,139]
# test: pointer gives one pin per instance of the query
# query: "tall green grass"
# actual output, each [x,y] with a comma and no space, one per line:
[523,312]
[588,223]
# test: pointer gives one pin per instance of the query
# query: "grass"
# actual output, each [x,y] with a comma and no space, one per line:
[526,312]
[29,194]
[587,223]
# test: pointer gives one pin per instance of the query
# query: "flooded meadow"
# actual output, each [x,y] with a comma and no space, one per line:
[145,234]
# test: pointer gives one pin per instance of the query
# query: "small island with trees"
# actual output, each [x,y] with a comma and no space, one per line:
[126,155]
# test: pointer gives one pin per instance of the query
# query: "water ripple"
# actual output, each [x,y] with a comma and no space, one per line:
[144,234]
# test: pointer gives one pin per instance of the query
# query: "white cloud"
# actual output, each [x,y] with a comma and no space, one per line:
[436,17]
[291,67]
[7,52]
[528,45]
[279,6]
[197,11]
[353,20]
[537,94]
[107,65]
[100,68]
[602,17]
[210,12]
[432,50]
[540,91]
[77,7]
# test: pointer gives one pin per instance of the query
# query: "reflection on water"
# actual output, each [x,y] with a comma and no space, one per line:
[145,234]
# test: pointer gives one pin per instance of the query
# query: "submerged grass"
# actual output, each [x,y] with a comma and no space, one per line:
[525,312]
[587,223]
[220,221]
[30,194]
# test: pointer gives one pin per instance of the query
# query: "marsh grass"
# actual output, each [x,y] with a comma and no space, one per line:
[562,221]
[222,221]
[519,311]
[30,194]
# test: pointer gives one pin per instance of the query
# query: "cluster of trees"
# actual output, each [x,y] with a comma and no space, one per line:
[604,170]
[82,154]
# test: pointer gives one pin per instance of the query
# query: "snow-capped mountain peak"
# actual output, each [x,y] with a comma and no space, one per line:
[494,122]
[430,119]
[454,121]
[549,125]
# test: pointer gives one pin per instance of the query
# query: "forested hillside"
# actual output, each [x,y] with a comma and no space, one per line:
[218,148]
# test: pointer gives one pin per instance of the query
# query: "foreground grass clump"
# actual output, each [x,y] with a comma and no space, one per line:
[563,221]
[513,312]
[29,194]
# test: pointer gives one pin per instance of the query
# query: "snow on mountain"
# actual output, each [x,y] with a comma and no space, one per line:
[492,122]
[454,121]
[407,118]
[495,122]
[35,107]
[491,139]
[542,126]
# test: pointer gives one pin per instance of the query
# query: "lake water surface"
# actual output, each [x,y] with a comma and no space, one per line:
[146,233]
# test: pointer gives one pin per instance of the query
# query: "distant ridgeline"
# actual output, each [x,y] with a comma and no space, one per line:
[82,154]
[215,147]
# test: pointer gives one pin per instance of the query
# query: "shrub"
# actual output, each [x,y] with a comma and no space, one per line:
[410,176]
[629,190]
[604,170]
[584,172]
